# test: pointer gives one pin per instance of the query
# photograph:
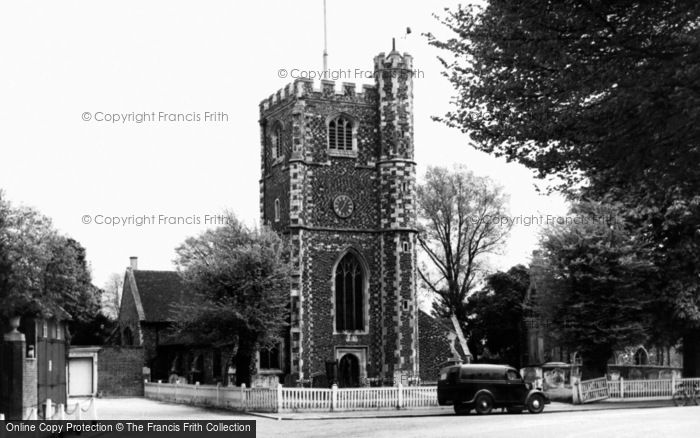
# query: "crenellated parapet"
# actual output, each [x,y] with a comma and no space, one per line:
[393,60]
[322,89]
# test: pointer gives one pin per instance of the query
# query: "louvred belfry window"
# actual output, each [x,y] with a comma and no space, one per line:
[340,134]
[276,140]
[349,294]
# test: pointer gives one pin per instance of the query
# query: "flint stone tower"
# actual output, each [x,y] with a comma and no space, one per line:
[338,178]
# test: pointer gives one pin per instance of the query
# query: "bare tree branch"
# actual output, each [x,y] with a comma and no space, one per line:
[457,211]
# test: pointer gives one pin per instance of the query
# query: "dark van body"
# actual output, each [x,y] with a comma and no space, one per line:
[483,387]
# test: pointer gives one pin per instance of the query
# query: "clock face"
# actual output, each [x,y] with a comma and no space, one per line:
[343,205]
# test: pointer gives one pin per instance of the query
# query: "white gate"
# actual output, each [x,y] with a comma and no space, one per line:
[593,390]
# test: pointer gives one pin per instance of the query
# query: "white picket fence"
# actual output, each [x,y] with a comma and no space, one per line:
[652,389]
[295,399]
[307,399]
[398,397]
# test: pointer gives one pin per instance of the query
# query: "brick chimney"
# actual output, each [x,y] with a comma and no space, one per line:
[134,263]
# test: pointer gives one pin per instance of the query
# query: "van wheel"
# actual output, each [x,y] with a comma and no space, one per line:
[461,409]
[483,404]
[514,410]
[535,404]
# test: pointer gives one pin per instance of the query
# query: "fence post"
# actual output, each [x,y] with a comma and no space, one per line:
[61,411]
[48,413]
[78,412]
[2,417]
[673,383]
[92,409]
[218,387]
[399,400]
[334,397]
[158,389]
[194,398]
[279,397]
[622,388]
[244,397]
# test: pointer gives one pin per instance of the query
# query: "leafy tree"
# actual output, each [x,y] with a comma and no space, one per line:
[580,89]
[5,264]
[94,331]
[595,285]
[41,272]
[240,278]
[67,275]
[460,223]
[603,97]
[496,316]
[28,238]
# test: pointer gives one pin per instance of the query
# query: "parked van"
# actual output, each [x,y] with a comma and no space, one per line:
[483,387]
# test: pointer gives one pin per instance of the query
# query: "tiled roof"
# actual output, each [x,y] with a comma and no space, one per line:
[428,321]
[431,320]
[158,290]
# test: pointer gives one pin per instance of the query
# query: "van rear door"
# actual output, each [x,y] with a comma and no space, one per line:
[498,386]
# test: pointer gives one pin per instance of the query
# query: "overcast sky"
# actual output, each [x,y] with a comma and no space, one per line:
[61,60]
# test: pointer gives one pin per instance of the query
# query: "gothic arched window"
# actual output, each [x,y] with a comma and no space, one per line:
[128,337]
[349,294]
[340,134]
[269,358]
[641,357]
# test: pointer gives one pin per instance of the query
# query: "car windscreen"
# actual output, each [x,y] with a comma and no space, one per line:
[513,375]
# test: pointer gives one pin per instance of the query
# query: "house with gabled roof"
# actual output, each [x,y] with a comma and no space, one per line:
[145,320]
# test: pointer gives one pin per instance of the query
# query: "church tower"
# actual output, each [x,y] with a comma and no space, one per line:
[338,178]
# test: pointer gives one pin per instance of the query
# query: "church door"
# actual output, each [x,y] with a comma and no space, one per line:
[349,371]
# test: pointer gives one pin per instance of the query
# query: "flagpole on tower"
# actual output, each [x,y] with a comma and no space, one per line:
[325,39]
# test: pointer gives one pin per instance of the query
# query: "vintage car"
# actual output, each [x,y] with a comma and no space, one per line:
[483,387]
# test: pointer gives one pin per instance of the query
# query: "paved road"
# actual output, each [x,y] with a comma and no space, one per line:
[656,423]
[145,409]
[669,422]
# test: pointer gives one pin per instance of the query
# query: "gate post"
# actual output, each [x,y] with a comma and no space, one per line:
[92,409]
[13,374]
[48,410]
[577,393]
[279,397]
[399,399]
[673,383]
[334,397]
[622,387]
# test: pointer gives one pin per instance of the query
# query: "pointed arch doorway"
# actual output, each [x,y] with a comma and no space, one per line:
[349,371]
[352,367]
